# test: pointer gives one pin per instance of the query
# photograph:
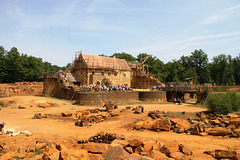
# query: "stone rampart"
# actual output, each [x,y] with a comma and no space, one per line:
[86,98]
[157,96]
[53,88]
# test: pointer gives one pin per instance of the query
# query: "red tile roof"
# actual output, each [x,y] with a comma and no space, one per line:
[105,62]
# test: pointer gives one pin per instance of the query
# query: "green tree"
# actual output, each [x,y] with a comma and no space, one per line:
[123,55]
[222,70]
[175,71]
[235,67]
[200,61]
[13,65]
[3,72]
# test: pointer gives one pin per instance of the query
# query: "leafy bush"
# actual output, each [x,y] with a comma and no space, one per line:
[1,103]
[223,103]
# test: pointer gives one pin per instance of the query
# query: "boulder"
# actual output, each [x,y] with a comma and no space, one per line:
[139,149]
[176,155]
[185,149]
[74,154]
[135,142]
[202,116]
[45,156]
[129,149]
[201,127]
[119,142]
[137,111]
[157,146]
[199,156]
[232,127]
[95,156]
[161,124]
[95,147]
[237,131]
[157,155]
[66,114]
[218,131]
[44,104]
[169,147]
[224,154]
[54,154]
[118,153]
[40,146]
[61,147]
[37,116]
[215,122]
[235,122]
[84,112]
[180,125]
[141,157]
[232,115]
[195,130]
[21,107]
[148,146]
[139,125]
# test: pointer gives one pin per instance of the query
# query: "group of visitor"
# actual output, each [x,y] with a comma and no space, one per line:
[178,101]
[91,87]
[159,87]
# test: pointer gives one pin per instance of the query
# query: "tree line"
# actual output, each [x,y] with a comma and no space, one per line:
[224,69]
[16,67]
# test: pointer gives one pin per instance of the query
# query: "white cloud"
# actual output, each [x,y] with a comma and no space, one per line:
[98,3]
[224,14]
[180,46]
[232,8]
[213,19]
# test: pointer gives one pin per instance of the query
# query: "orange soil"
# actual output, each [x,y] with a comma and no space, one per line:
[21,119]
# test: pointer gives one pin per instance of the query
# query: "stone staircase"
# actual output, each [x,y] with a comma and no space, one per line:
[71,78]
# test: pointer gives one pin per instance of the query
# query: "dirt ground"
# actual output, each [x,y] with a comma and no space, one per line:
[21,119]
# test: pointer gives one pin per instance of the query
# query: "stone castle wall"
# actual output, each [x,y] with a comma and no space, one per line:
[158,96]
[53,88]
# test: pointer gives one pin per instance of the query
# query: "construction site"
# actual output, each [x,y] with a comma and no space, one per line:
[92,73]
[103,109]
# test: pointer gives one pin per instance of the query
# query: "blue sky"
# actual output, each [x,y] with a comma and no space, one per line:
[168,29]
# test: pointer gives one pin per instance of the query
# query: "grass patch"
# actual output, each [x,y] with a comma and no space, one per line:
[3,104]
[37,152]
[18,158]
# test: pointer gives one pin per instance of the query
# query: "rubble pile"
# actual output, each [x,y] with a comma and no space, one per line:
[116,148]
[109,105]
[82,117]
[88,117]
[135,110]
[224,154]
[103,137]
[21,88]
[206,124]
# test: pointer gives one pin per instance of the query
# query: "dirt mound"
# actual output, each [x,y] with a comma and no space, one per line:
[21,88]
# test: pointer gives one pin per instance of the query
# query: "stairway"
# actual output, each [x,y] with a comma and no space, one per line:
[71,78]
